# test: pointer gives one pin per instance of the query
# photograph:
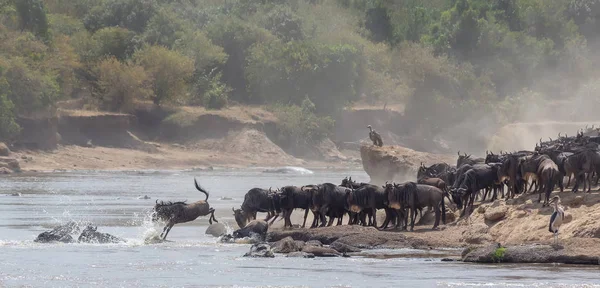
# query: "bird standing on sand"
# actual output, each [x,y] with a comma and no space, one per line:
[557,218]
[375,137]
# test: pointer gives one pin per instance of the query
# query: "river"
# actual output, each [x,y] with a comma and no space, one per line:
[193,259]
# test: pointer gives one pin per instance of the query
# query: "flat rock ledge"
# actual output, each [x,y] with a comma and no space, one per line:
[354,236]
[527,254]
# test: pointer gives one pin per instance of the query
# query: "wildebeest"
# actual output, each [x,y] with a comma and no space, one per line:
[369,197]
[257,228]
[413,196]
[583,163]
[90,235]
[181,212]
[466,159]
[61,233]
[260,200]
[361,217]
[293,197]
[439,170]
[544,170]
[375,137]
[474,179]
[328,200]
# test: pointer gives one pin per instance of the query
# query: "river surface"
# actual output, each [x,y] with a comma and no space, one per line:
[193,259]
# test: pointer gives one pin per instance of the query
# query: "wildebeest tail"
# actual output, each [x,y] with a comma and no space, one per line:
[200,189]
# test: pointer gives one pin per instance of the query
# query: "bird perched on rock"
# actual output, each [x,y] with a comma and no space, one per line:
[375,137]
[557,218]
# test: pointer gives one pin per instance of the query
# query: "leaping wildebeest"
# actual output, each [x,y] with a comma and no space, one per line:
[180,212]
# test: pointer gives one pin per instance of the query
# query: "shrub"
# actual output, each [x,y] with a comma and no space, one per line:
[217,94]
[8,127]
[114,41]
[169,71]
[299,126]
[119,84]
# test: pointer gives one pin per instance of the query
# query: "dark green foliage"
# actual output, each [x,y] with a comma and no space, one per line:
[8,127]
[32,17]
[378,22]
[130,14]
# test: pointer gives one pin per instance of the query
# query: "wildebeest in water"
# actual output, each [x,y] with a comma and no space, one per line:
[180,212]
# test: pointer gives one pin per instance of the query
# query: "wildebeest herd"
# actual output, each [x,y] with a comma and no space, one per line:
[485,178]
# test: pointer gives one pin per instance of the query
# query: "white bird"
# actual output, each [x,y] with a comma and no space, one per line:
[557,218]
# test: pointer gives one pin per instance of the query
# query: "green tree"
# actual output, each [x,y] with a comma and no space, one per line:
[120,85]
[129,14]
[32,17]
[169,71]
[8,126]
[114,41]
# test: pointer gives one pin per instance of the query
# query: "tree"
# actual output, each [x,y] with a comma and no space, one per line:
[8,126]
[120,85]
[114,41]
[32,17]
[169,71]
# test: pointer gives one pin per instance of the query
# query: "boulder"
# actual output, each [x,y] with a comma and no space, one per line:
[316,243]
[300,254]
[287,245]
[321,251]
[577,201]
[10,163]
[343,248]
[4,151]
[5,171]
[260,250]
[495,213]
[527,254]
[216,230]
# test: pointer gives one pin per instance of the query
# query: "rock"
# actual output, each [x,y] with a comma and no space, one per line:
[321,251]
[145,197]
[5,171]
[481,209]
[577,201]
[527,254]
[343,248]
[496,213]
[569,218]
[256,228]
[16,194]
[300,254]
[477,234]
[448,260]
[61,233]
[226,198]
[316,243]
[216,230]
[260,250]
[287,245]
[10,163]
[450,217]
[4,151]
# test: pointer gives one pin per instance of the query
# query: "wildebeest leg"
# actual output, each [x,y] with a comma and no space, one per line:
[560,183]
[212,216]
[589,180]
[166,230]
[437,217]
[305,216]
[322,213]
[274,218]
[569,181]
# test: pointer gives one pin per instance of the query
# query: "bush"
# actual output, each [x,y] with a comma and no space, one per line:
[279,72]
[8,127]
[169,71]
[299,126]
[216,96]
[119,85]
[130,14]
[114,41]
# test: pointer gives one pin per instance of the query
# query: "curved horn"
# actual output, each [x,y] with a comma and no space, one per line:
[233,209]
[550,139]
[458,153]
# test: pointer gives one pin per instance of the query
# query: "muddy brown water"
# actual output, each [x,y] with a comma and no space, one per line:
[193,259]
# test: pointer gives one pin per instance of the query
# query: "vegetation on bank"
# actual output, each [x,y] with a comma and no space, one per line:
[447,60]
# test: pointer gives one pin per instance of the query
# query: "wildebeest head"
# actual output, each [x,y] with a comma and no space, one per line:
[240,218]
[457,196]
[461,159]
[388,189]
[351,202]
